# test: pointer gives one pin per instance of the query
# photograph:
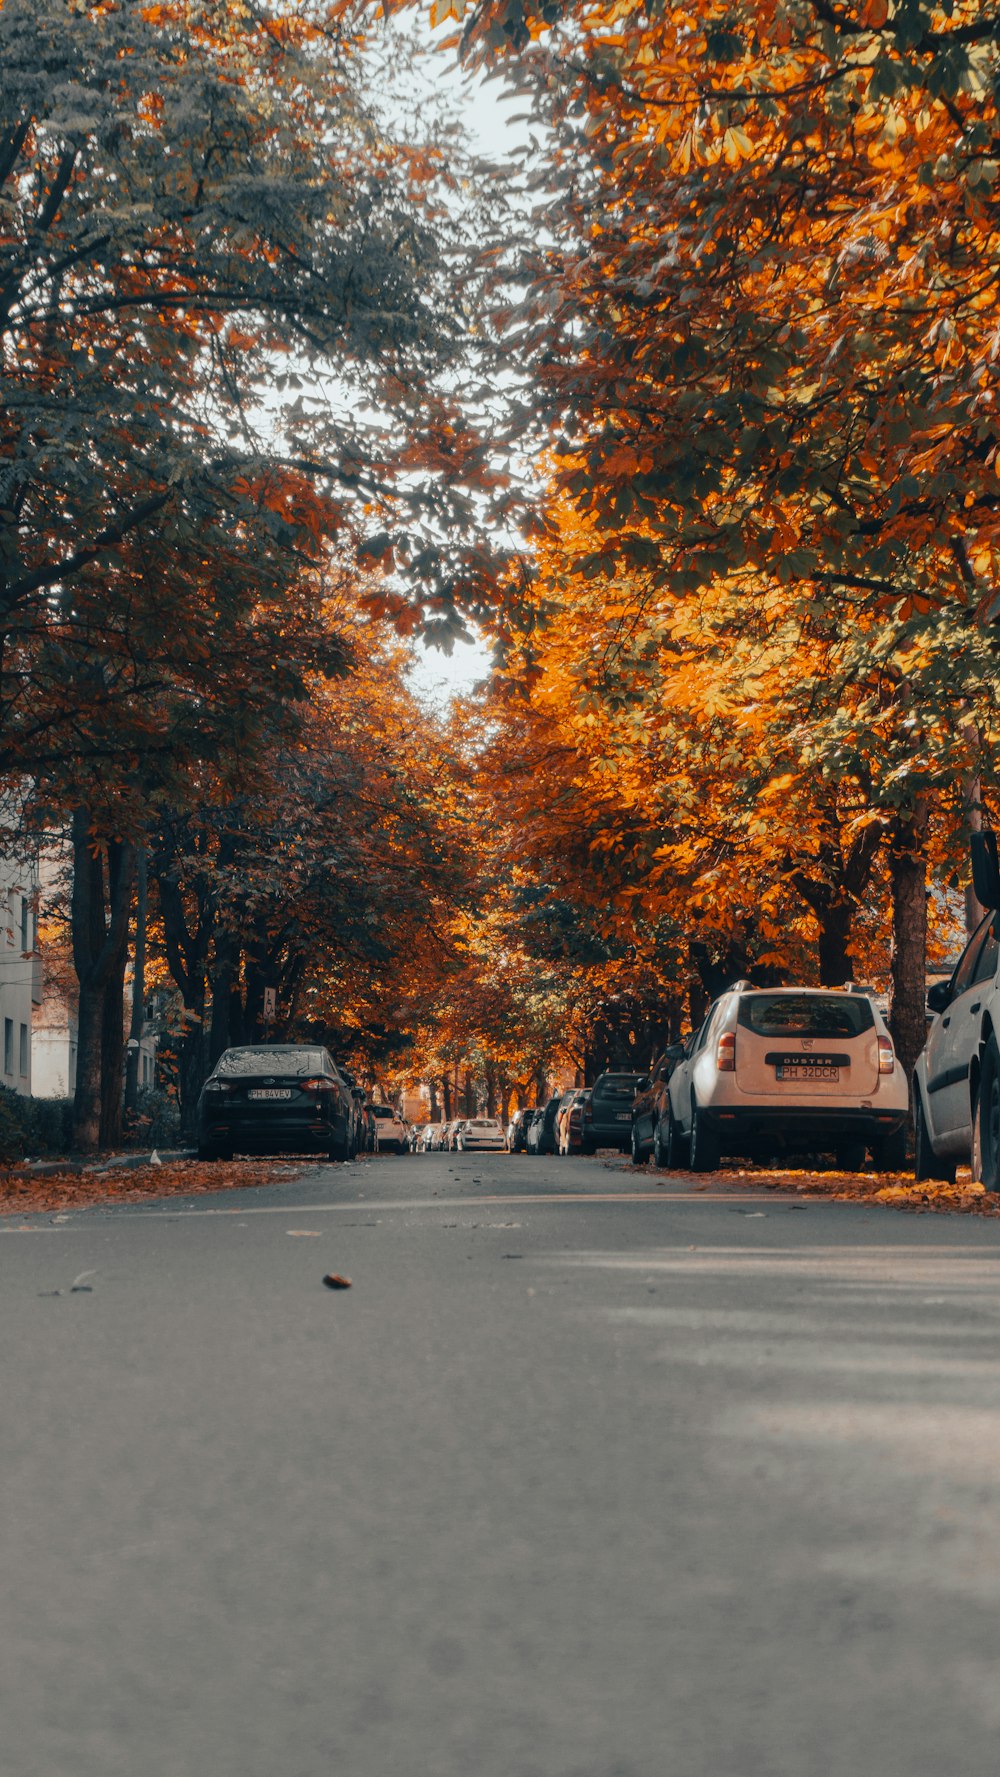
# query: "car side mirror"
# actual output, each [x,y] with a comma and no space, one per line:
[938,996]
[676,1052]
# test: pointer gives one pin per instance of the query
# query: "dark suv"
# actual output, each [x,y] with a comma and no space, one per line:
[607,1119]
[269,1098]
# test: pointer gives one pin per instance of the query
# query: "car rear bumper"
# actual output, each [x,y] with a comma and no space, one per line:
[806,1126]
[484,1147]
[252,1133]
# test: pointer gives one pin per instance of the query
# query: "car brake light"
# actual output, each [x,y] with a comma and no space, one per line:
[320,1085]
[588,1113]
[886,1056]
[220,1086]
[725,1054]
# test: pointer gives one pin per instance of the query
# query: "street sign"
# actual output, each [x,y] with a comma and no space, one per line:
[270,1002]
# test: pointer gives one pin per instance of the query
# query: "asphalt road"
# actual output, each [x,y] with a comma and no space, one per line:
[584,1477]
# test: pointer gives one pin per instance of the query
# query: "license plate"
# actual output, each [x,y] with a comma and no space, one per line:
[795,1071]
[270,1092]
[623,1116]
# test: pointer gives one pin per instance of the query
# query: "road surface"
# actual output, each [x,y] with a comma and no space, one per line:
[586,1476]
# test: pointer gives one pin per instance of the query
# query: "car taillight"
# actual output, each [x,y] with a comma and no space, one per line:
[886,1056]
[220,1086]
[320,1085]
[588,1113]
[725,1054]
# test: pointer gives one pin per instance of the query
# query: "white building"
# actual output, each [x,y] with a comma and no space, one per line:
[20,971]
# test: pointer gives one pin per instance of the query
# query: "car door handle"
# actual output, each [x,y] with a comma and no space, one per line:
[975,1008]
[946,1022]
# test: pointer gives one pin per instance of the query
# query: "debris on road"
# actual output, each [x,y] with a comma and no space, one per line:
[333,1282]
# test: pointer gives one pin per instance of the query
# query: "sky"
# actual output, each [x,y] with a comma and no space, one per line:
[489,117]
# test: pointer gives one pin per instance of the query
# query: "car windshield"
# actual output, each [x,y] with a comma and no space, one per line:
[806,1014]
[271,1061]
[618,1086]
[382,1110]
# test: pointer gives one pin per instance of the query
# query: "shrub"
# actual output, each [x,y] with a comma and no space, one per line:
[158,1121]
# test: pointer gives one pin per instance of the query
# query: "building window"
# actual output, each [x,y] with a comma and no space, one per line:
[25,923]
[22,1052]
[8,1045]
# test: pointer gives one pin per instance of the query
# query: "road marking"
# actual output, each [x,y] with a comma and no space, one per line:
[475,1202]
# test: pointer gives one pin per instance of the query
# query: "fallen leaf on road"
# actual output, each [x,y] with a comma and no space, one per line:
[303,1233]
[333,1282]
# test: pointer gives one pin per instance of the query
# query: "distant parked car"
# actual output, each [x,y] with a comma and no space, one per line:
[517,1131]
[542,1133]
[533,1129]
[607,1119]
[428,1137]
[649,1107]
[569,1123]
[267,1098]
[798,1069]
[391,1131]
[478,1133]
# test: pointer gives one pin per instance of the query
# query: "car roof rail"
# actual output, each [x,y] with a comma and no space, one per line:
[740,986]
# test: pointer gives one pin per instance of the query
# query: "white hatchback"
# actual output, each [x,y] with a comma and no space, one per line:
[798,1069]
[481,1132]
[390,1130]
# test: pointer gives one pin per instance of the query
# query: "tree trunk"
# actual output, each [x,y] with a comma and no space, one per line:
[446,1095]
[113,1014]
[835,965]
[435,1114]
[907,988]
[138,1021]
[224,989]
[491,1091]
[470,1095]
[99,932]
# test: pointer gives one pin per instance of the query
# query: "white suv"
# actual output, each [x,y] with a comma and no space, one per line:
[804,1069]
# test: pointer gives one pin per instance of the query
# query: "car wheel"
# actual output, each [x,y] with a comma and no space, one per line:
[926,1164]
[706,1147]
[339,1149]
[207,1153]
[659,1147]
[676,1144]
[986,1125]
[587,1147]
[638,1157]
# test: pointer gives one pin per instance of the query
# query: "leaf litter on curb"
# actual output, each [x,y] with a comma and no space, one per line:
[26,1193]
[898,1190]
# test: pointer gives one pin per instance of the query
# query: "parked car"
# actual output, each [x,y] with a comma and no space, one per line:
[533,1129]
[451,1138]
[479,1133]
[542,1133]
[607,1118]
[517,1131]
[956,1082]
[390,1130]
[649,1107]
[795,1069]
[428,1138]
[569,1124]
[267,1098]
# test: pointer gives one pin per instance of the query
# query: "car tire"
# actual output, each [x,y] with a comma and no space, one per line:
[638,1157]
[659,1149]
[676,1145]
[340,1149]
[927,1164]
[209,1153]
[986,1123]
[588,1148]
[889,1153]
[706,1147]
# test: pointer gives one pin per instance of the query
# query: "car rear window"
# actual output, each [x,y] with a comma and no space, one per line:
[618,1086]
[271,1061]
[482,1123]
[381,1110]
[806,1014]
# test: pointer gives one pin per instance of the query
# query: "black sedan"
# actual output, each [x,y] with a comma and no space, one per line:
[270,1098]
